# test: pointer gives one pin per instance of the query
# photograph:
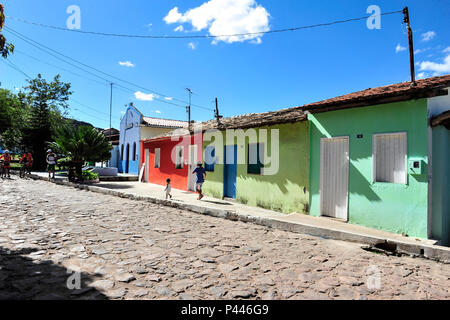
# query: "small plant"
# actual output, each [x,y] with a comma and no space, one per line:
[89,176]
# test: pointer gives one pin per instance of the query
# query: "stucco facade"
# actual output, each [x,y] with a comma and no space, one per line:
[134,128]
[284,189]
[129,152]
[395,207]
[180,175]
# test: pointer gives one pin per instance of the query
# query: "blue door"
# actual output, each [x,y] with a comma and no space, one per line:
[230,171]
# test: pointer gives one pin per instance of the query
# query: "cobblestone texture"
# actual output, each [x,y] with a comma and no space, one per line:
[128,249]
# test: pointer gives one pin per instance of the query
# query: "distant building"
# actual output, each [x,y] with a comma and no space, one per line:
[113,136]
[134,127]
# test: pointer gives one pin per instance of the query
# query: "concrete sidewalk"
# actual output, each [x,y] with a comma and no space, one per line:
[295,222]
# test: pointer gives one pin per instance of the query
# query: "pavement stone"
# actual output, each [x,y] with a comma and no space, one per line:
[127,249]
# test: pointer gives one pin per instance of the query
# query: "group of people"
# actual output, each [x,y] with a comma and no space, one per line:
[200,175]
[27,163]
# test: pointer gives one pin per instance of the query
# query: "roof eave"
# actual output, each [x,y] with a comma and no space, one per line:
[376,100]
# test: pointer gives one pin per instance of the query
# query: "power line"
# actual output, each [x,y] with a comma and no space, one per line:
[15,67]
[44,48]
[57,67]
[198,36]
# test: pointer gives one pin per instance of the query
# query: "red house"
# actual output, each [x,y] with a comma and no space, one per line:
[174,157]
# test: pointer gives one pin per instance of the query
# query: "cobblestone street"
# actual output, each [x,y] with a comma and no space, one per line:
[136,250]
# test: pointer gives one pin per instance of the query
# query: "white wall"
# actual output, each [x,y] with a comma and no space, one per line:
[438,105]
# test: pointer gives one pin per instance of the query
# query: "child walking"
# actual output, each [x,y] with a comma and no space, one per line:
[168,189]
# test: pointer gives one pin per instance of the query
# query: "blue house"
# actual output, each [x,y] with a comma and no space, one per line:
[134,127]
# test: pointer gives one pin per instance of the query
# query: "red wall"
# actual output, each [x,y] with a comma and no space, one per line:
[167,169]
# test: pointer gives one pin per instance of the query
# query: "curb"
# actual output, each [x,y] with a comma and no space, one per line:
[432,252]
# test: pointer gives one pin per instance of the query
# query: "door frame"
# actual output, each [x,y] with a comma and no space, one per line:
[322,178]
[147,164]
[235,148]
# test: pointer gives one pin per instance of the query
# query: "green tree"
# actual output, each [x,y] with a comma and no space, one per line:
[13,114]
[47,100]
[5,48]
[81,144]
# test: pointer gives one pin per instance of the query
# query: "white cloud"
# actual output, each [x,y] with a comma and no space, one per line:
[437,68]
[446,50]
[399,48]
[168,98]
[192,45]
[157,111]
[144,96]
[422,75]
[126,64]
[225,17]
[179,28]
[427,36]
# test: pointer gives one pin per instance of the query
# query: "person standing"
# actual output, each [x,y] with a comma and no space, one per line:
[51,162]
[7,162]
[200,173]
[168,189]
[27,161]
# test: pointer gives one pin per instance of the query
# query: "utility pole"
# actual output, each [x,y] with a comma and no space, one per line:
[411,47]
[110,112]
[216,112]
[189,109]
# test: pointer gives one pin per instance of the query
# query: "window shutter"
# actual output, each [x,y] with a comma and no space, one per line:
[390,157]
[157,157]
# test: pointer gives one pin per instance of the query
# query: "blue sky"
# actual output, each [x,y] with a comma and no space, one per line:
[265,73]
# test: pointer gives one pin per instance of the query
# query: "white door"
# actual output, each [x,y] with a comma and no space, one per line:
[147,164]
[334,161]
[192,165]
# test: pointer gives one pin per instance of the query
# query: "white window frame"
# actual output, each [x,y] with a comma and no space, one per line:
[179,164]
[157,162]
[374,158]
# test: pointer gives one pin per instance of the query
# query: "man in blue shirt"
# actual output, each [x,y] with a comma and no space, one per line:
[200,173]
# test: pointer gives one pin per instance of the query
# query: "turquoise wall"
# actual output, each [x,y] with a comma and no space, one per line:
[396,208]
[440,224]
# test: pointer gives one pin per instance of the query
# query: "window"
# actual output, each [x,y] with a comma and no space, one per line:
[254,159]
[157,157]
[389,157]
[179,157]
[210,155]
[121,153]
[134,151]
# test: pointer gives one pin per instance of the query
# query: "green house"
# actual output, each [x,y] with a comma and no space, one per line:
[259,160]
[371,154]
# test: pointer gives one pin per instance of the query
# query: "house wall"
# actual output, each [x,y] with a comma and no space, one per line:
[440,224]
[129,134]
[392,207]
[150,132]
[178,177]
[287,190]
[113,162]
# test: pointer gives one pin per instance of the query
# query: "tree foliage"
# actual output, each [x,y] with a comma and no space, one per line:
[81,144]
[12,113]
[46,100]
[5,48]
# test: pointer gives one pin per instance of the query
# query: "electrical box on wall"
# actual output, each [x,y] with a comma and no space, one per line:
[415,166]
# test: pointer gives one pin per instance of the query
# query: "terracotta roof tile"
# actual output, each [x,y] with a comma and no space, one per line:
[376,95]
[164,123]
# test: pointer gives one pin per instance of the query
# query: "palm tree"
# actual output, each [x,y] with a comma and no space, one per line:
[82,144]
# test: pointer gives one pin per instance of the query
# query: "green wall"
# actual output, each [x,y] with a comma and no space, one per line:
[286,191]
[392,207]
[440,224]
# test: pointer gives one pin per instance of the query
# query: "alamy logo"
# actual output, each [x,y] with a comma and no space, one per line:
[374,21]
[74,280]
[373,278]
[74,20]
